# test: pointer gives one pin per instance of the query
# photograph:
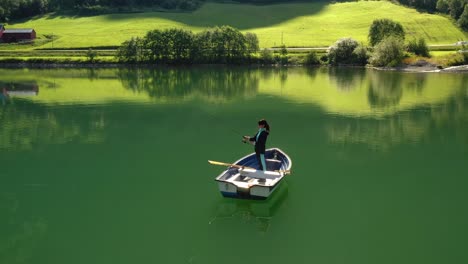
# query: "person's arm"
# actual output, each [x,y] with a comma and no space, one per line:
[253,137]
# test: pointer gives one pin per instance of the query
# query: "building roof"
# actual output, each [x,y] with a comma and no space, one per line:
[18,30]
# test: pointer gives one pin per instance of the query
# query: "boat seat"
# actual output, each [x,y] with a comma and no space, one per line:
[273,164]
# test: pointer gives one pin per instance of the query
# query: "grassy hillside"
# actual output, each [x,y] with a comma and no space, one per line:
[297,24]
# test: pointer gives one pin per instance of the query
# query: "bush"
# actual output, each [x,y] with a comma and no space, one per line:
[361,54]
[295,60]
[324,58]
[283,58]
[389,52]
[457,59]
[342,52]
[311,58]
[266,56]
[384,28]
[91,54]
[418,47]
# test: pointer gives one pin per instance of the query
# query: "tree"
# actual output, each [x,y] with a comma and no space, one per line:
[383,28]
[442,6]
[283,58]
[252,42]
[180,43]
[463,20]
[218,45]
[229,45]
[456,8]
[157,43]
[131,51]
[342,51]
[203,50]
[388,52]
[235,43]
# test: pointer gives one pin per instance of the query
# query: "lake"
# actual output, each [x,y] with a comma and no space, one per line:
[110,166]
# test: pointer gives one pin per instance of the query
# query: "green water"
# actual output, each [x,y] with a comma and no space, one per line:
[110,166]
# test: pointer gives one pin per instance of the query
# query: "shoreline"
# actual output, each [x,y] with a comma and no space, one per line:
[405,68]
[424,69]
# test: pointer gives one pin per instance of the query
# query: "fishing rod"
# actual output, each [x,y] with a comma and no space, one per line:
[231,129]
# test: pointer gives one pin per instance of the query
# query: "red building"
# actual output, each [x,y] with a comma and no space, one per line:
[14,35]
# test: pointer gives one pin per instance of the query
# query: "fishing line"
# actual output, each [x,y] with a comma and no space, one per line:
[218,118]
[215,118]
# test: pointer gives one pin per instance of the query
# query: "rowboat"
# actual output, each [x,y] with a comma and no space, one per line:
[244,180]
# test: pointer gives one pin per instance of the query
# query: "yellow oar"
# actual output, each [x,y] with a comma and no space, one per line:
[229,164]
[241,167]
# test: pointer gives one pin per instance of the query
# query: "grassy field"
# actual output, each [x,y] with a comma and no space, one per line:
[294,24]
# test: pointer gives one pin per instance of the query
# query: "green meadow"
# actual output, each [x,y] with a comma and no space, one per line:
[292,24]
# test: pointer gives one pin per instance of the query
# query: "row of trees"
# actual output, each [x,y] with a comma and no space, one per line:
[14,9]
[458,9]
[218,45]
[10,9]
[228,45]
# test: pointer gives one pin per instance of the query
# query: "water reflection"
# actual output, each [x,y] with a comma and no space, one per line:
[30,88]
[407,127]
[258,213]
[28,117]
[214,83]
[385,89]
[20,234]
[416,81]
[25,125]
[347,79]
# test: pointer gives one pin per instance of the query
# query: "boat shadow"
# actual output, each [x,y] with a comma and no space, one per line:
[257,212]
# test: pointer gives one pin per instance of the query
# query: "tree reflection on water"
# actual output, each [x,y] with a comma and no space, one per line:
[450,118]
[385,89]
[347,79]
[215,83]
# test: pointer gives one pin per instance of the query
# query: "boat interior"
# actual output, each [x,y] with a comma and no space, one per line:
[275,160]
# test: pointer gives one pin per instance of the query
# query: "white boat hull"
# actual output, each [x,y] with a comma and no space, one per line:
[254,184]
[254,192]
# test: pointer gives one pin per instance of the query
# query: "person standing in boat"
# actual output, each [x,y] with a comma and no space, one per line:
[259,141]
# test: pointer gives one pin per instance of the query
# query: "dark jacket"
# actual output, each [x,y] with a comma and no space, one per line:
[261,142]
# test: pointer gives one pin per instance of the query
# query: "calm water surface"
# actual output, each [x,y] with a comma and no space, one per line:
[110,166]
